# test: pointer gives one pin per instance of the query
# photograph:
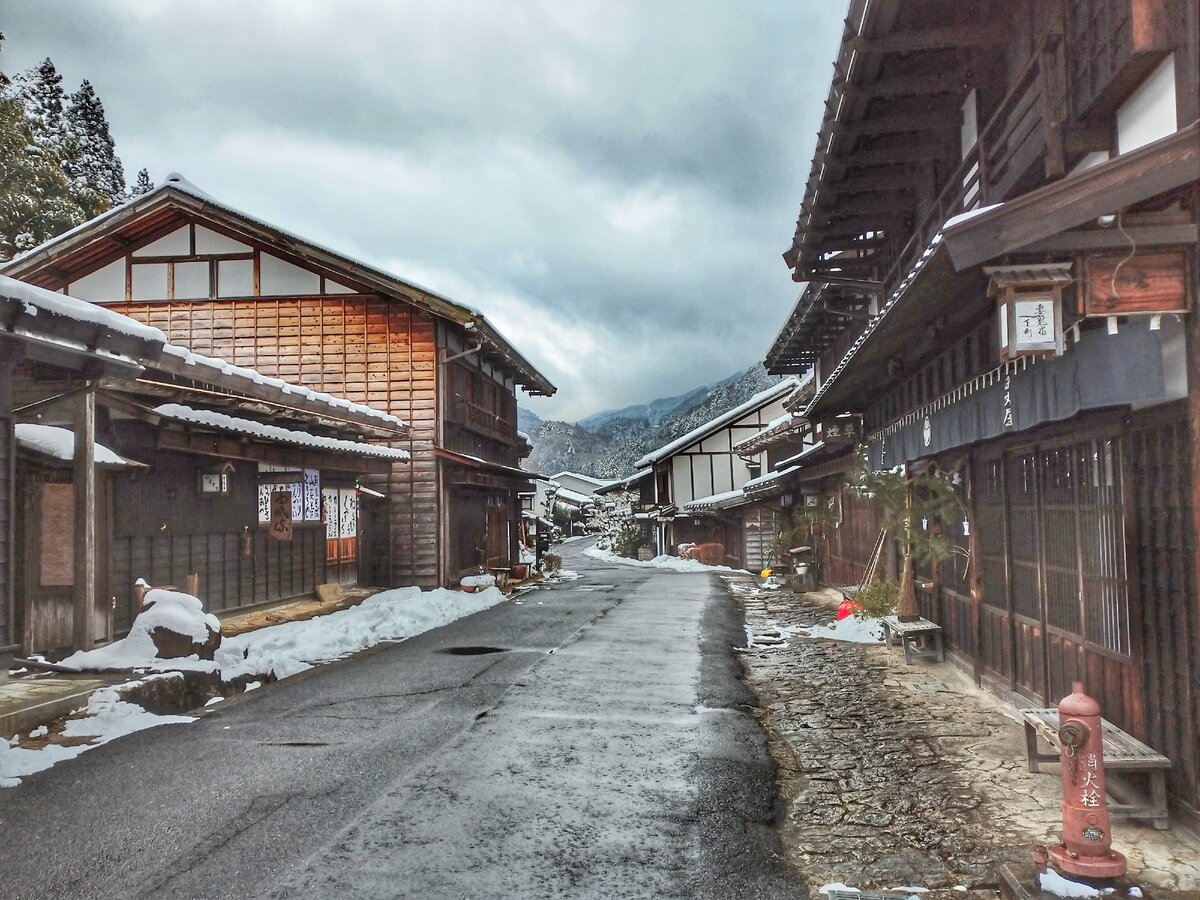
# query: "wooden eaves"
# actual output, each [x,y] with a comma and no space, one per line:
[1110,187]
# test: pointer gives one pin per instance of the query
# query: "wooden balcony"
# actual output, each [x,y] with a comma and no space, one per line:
[481,421]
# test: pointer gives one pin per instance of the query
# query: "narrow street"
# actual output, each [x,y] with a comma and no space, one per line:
[592,739]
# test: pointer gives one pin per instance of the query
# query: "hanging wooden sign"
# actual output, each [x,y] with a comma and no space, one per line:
[841,430]
[1146,283]
[280,527]
[1029,307]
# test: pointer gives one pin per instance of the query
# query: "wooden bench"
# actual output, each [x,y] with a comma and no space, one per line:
[921,630]
[1123,754]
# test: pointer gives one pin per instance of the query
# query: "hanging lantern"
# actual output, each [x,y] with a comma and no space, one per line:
[1029,307]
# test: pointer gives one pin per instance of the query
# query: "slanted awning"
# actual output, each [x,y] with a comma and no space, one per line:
[715,503]
[58,444]
[770,485]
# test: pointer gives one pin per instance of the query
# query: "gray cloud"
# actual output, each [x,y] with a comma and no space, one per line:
[616,179]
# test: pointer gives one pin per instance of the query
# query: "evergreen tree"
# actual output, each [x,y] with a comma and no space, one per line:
[92,156]
[37,199]
[41,90]
[143,185]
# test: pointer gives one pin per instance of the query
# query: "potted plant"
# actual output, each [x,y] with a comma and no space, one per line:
[912,504]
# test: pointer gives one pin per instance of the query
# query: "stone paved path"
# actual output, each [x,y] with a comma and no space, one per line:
[906,775]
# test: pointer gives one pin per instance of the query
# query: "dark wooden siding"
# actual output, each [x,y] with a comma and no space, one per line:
[846,546]
[7,498]
[360,347]
[163,530]
[1169,624]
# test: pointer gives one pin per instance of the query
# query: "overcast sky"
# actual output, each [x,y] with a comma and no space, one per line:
[611,183]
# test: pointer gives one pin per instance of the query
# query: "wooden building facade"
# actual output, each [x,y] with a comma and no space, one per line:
[999,241]
[198,474]
[700,473]
[229,286]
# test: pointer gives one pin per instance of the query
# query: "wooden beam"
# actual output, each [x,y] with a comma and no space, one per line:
[910,85]
[1165,165]
[84,478]
[1113,239]
[865,204]
[947,37]
[900,124]
[920,152]
[210,444]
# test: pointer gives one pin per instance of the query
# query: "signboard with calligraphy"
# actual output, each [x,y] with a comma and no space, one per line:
[280,527]
[1147,283]
[841,430]
[1029,306]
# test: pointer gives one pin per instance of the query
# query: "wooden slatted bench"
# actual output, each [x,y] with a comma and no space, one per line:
[1123,754]
[921,630]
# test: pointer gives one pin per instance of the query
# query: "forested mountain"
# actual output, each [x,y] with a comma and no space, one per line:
[58,161]
[606,445]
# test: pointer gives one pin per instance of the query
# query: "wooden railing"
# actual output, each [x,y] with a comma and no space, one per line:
[481,421]
[1014,137]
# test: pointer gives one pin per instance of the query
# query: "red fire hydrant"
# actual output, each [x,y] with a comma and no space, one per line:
[1086,847]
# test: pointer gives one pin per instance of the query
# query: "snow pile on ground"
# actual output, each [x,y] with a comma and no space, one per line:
[1053,883]
[671,563]
[393,615]
[108,718]
[291,647]
[774,635]
[852,628]
[173,610]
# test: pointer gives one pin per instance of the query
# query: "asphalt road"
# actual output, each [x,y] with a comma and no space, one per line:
[606,750]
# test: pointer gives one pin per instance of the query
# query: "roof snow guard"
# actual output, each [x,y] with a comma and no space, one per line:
[782,389]
[273,433]
[769,485]
[776,430]
[79,248]
[716,502]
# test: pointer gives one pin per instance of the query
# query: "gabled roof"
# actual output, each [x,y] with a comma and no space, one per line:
[176,199]
[761,399]
[598,482]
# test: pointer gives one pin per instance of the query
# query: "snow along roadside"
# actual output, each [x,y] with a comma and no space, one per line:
[280,650]
[671,563]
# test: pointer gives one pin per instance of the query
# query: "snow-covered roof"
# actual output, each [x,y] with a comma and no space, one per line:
[59,443]
[769,480]
[726,500]
[598,482]
[303,247]
[802,455]
[762,398]
[41,299]
[625,483]
[207,362]
[777,427]
[569,496]
[223,422]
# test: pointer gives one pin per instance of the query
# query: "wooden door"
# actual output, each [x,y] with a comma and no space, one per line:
[340,507]
[1024,574]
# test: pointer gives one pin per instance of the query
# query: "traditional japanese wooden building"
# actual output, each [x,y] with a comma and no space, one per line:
[999,246]
[201,475]
[227,285]
[697,479]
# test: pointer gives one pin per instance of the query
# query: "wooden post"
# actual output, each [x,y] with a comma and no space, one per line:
[85,518]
